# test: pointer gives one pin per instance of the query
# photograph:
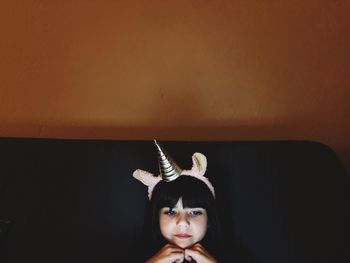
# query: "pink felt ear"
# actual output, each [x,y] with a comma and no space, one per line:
[147,179]
[200,161]
[199,167]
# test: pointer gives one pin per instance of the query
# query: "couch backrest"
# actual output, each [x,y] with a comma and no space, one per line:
[76,200]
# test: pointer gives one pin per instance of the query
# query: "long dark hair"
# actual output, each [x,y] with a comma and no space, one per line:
[194,193]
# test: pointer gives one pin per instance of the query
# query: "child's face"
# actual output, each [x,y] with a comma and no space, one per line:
[183,226]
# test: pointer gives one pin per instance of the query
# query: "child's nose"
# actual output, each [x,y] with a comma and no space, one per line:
[182,220]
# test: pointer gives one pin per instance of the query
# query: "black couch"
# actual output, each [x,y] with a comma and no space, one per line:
[76,200]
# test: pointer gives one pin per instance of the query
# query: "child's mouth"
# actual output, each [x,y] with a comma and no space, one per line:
[183,235]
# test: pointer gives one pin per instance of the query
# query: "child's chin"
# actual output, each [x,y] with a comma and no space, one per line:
[184,245]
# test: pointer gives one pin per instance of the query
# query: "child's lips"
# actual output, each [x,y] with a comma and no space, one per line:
[183,235]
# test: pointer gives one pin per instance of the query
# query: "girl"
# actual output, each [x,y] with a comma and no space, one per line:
[182,213]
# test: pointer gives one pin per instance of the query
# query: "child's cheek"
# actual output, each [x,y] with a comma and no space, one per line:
[166,223]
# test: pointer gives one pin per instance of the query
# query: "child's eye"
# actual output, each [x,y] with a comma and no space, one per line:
[171,212]
[196,213]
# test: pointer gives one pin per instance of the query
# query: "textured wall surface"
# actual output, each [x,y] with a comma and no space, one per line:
[238,70]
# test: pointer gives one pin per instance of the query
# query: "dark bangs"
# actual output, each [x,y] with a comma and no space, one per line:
[194,193]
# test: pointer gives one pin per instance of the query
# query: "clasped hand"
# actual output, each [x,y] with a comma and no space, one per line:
[174,254]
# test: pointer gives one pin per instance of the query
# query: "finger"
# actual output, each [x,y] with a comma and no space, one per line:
[192,253]
[198,247]
[171,248]
[187,257]
[199,254]
[177,257]
[177,250]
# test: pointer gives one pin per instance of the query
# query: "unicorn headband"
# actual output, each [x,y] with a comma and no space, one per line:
[169,171]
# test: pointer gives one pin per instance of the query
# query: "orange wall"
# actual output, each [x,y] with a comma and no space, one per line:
[240,70]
